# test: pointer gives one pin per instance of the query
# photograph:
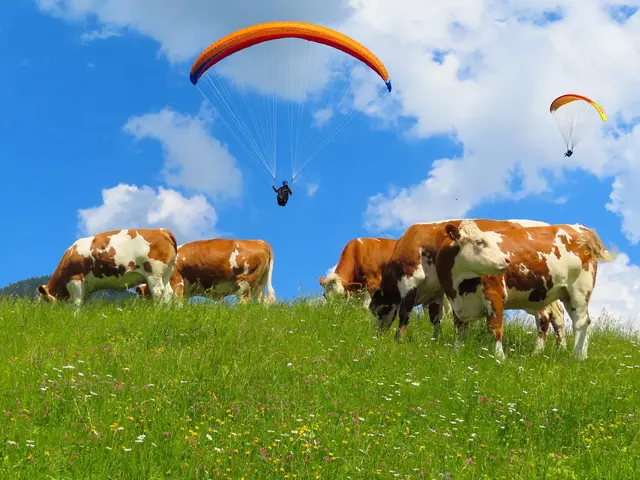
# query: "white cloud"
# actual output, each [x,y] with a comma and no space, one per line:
[617,291]
[193,158]
[184,28]
[498,110]
[625,196]
[312,189]
[129,206]
[322,116]
[101,34]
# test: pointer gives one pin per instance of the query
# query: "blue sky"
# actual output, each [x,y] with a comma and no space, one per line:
[65,103]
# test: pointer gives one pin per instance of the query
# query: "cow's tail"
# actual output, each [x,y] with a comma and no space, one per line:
[172,238]
[590,241]
[271,294]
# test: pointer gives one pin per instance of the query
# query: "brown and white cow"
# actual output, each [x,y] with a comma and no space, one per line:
[359,268]
[410,278]
[114,260]
[220,267]
[359,271]
[532,267]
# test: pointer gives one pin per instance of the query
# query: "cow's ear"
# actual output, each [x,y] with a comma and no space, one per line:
[353,286]
[452,232]
[322,281]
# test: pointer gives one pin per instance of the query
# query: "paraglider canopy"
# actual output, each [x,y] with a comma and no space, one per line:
[265,32]
[255,119]
[576,117]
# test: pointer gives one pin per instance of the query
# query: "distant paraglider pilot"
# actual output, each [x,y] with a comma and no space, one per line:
[283,193]
[568,153]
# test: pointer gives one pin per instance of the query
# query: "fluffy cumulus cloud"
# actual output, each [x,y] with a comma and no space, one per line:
[617,292]
[190,218]
[194,159]
[485,73]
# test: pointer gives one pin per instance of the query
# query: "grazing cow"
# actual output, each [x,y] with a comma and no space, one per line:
[545,264]
[115,260]
[359,270]
[410,278]
[220,267]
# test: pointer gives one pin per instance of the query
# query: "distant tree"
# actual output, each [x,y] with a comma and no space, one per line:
[27,289]
[24,288]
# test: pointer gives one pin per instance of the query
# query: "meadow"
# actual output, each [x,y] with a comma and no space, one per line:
[129,390]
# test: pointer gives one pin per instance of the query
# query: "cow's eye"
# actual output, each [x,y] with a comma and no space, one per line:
[480,243]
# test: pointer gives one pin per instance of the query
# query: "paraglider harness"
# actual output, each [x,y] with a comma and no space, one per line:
[283,193]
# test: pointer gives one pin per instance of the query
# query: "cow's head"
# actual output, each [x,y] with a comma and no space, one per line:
[476,252]
[383,308]
[43,294]
[333,286]
[142,290]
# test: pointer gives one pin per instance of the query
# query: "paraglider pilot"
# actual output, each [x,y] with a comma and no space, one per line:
[283,193]
[568,153]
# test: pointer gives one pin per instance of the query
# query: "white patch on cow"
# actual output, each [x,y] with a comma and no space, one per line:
[83,246]
[528,223]
[523,268]
[233,263]
[360,240]
[245,271]
[472,306]
[529,236]
[413,281]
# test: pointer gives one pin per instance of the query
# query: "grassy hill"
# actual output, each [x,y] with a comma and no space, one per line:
[135,390]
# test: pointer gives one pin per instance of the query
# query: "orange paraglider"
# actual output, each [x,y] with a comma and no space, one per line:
[259,135]
[264,32]
[576,117]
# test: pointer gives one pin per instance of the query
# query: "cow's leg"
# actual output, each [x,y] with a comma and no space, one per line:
[462,331]
[436,312]
[244,291]
[367,299]
[495,322]
[167,289]
[404,312]
[157,288]
[556,317]
[542,325]
[577,307]
[77,294]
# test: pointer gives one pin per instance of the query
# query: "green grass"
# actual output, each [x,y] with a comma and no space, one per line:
[135,390]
